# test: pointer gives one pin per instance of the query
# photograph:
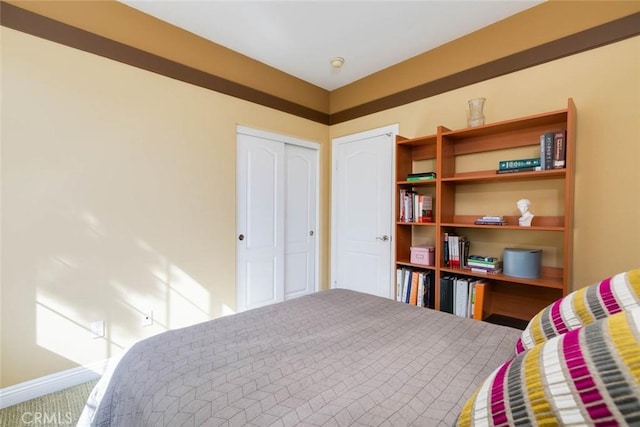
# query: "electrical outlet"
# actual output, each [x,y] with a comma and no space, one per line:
[147,318]
[97,329]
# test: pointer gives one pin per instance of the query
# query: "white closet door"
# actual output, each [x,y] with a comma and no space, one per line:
[276,218]
[300,219]
[260,222]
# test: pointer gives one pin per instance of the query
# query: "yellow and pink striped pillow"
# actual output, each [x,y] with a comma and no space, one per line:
[587,376]
[582,307]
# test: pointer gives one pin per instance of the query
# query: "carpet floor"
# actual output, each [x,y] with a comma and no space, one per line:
[60,408]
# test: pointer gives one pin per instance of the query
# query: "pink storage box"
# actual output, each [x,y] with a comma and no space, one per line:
[423,254]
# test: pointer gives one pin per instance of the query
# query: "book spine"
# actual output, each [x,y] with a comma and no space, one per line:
[420,178]
[480,289]
[522,163]
[413,294]
[527,169]
[559,141]
[421,174]
[542,162]
[445,250]
[548,150]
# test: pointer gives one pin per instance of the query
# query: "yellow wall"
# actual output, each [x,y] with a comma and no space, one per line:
[118,194]
[118,188]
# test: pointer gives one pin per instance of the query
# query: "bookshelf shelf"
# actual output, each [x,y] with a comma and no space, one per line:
[464,185]
[491,176]
[410,264]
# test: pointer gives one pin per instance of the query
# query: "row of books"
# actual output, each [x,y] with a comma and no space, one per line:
[463,296]
[553,155]
[416,287]
[415,207]
[456,250]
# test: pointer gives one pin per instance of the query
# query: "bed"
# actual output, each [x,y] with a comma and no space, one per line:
[336,357]
[343,358]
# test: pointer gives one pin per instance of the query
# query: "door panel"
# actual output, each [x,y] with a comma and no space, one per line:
[276,218]
[363,214]
[260,220]
[300,218]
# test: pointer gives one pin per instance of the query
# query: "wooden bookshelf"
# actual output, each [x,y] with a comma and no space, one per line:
[444,152]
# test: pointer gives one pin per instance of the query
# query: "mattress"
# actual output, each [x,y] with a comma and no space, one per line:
[336,357]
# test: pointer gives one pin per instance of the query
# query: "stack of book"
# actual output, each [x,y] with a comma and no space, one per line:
[484,264]
[421,176]
[553,150]
[491,220]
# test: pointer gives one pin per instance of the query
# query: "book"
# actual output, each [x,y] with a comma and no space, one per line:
[420,178]
[421,175]
[542,162]
[472,297]
[430,289]
[491,220]
[446,294]
[413,293]
[480,291]
[481,263]
[483,270]
[519,163]
[426,208]
[406,287]
[482,258]
[445,250]
[461,296]
[399,282]
[559,155]
[421,283]
[525,169]
[548,150]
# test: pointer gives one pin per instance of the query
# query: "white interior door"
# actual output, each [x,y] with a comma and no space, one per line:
[301,171]
[260,221]
[362,212]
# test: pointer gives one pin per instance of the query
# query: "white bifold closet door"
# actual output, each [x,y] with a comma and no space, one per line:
[276,218]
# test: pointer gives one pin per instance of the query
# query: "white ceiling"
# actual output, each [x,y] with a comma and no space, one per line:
[300,37]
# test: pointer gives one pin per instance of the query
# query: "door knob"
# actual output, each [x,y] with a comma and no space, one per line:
[241,237]
[383,238]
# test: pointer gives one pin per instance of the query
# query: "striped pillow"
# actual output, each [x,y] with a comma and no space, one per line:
[588,376]
[582,307]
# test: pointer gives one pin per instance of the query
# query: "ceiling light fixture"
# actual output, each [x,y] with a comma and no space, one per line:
[337,62]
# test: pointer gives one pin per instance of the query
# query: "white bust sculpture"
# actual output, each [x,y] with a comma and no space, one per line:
[523,207]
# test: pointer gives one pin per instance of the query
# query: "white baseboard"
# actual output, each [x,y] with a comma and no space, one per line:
[28,390]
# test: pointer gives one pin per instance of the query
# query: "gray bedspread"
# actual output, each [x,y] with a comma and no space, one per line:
[336,357]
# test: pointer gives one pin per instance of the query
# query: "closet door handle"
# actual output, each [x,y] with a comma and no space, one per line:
[383,238]
[241,237]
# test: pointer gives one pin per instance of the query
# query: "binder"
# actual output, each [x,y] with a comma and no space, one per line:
[446,294]
[481,289]
[462,297]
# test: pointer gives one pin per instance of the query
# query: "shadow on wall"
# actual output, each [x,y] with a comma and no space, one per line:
[105,275]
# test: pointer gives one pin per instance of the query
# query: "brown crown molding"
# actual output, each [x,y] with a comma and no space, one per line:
[604,34]
[37,25]
[40,26]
